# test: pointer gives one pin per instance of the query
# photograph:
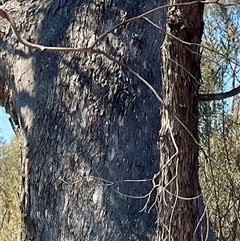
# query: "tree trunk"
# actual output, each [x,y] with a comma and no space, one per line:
[86,124]
[178,190]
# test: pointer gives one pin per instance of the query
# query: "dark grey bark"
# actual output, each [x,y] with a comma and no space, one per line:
[85,123]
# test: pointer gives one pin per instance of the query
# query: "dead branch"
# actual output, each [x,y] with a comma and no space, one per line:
[219,96]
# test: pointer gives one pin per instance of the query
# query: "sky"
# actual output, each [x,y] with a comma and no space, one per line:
[6,131]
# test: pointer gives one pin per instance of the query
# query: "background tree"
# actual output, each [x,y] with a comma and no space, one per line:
[179,188]
[219,122]
[9,184]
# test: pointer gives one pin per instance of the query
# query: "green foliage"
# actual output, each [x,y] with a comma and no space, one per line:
[9,185]
[219,121]
[220,178]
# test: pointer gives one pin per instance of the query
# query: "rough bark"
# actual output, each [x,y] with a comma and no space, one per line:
[85,123]
[178,215]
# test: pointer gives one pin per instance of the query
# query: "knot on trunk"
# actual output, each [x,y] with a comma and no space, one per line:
[183,26]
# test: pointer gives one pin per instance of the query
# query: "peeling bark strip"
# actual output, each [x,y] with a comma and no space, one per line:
[178,217]
[6,93]
[2,82]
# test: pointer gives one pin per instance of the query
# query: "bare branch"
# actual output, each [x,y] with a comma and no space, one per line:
[91,50]
[5,15]
[3,218]
[219,96]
